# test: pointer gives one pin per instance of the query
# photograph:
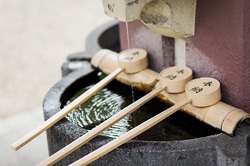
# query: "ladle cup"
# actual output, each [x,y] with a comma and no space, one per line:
[182,76]
[131,61]
[201,92]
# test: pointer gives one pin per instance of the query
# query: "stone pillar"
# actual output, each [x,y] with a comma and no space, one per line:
[220,47]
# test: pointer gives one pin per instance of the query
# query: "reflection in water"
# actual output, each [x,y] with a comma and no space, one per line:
[99,108]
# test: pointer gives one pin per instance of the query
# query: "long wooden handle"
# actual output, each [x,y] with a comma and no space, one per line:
[66,110]
[130,134]
[98,129]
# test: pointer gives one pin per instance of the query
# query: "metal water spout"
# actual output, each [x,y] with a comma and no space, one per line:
[172,18]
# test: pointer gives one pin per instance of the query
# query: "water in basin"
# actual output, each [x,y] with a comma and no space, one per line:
[117,96]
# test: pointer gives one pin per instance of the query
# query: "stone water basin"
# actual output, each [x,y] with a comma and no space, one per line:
[178,140]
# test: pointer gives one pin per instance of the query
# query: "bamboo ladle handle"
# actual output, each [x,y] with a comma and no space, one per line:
[132,61]
[206,88]
[129,135]
[180,80]
[66,110]
[98,129]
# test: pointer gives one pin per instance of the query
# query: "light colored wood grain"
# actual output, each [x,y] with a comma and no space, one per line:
[67,109]
[147,79]
[133,60]
[177,84]
[98,129]
[176,78]
[130,134]
[205,90]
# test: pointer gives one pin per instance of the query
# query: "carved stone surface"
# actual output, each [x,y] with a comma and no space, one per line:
[166,17]
[170,17]
[124,10]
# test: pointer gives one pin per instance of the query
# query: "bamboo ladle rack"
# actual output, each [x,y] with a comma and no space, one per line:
[171,85]
[201,92]
[220,115]
[130,61]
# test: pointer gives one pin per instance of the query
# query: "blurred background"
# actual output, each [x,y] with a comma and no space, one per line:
[35,39]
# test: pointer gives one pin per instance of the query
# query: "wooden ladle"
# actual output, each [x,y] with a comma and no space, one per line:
[131,61]
[201,92]
[172,85]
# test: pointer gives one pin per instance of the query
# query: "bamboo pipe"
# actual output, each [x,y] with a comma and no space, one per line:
[201,92]
[171,85]
[131,61]
[220,115]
